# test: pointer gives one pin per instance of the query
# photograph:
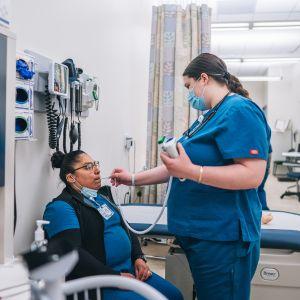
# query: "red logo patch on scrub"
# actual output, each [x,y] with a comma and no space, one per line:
[253,151]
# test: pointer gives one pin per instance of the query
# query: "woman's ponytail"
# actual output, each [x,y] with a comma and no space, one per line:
[235,86]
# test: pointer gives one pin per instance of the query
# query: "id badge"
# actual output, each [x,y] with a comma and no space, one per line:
[105,211]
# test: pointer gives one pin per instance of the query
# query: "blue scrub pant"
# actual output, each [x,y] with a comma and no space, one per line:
[221,270]
[157,282]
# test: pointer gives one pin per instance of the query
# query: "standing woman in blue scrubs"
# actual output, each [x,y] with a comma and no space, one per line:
[215,213]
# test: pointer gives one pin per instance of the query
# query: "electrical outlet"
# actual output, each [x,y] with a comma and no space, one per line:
[128,142]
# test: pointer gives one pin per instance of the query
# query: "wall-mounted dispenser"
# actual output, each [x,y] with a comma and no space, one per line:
[24,100]
[24,95]
[25,66]
[23,125]
[90,91]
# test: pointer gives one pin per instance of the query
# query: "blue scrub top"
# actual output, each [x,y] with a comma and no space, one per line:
[117,242]
[238,130]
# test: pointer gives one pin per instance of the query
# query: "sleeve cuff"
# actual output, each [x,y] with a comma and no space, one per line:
[244,154]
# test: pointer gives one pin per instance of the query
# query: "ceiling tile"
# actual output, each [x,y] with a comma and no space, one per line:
[267,6]
[236,7]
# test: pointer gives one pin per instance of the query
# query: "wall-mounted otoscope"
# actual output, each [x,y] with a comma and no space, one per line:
[65,93]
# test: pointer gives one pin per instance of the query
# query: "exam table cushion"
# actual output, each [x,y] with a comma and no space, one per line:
[282,233]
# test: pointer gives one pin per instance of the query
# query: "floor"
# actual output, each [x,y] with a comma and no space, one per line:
[274,189]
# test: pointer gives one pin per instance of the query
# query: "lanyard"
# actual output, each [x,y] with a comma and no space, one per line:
[197,126]
[105,211]
[92,202]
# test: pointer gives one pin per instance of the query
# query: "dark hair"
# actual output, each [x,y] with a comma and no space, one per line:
[65,162]
[236,86]
[216,68]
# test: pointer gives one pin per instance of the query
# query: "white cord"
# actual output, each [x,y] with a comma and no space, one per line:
[133,179]
[158,217]
[134,156]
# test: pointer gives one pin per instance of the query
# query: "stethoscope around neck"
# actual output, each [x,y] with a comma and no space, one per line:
[207,117]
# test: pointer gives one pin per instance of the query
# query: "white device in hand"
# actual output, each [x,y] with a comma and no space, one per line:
[170,146]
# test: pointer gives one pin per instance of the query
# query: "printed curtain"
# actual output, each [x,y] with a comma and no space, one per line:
[177,36]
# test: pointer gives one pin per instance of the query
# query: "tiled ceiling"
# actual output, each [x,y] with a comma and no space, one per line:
[243,7]
[254,10]
[257,42]
[251,43]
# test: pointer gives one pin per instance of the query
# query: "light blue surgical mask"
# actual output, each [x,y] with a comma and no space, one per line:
[195,101]
[88,193]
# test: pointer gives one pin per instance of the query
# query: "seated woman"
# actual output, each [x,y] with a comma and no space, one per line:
[85,215]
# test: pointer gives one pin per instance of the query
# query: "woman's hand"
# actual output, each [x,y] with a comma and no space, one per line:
[120,176]
[128,275]
[142,271]
[181,166]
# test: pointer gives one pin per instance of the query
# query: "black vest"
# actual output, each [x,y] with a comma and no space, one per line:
[91,222]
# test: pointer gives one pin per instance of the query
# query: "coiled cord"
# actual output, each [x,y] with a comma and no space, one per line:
[79,135]
[51,119]
[57,138]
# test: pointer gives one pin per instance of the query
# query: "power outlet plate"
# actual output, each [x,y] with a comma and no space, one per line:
[128,142]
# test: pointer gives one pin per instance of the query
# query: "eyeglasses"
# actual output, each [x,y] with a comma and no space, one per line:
[89,166]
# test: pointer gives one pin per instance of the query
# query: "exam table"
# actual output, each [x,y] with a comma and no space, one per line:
[278,272]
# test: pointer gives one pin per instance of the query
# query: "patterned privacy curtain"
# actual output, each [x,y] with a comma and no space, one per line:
[178,35]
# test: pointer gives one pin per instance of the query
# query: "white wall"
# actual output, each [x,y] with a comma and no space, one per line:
[257,91]
[110,39]
[284,103]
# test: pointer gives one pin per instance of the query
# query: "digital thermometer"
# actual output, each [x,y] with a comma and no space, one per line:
[169,145]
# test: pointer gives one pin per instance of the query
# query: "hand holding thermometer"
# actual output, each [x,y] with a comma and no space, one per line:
[169,145]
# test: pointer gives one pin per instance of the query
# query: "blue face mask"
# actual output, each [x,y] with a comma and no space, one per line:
[89,193]
[197,102]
